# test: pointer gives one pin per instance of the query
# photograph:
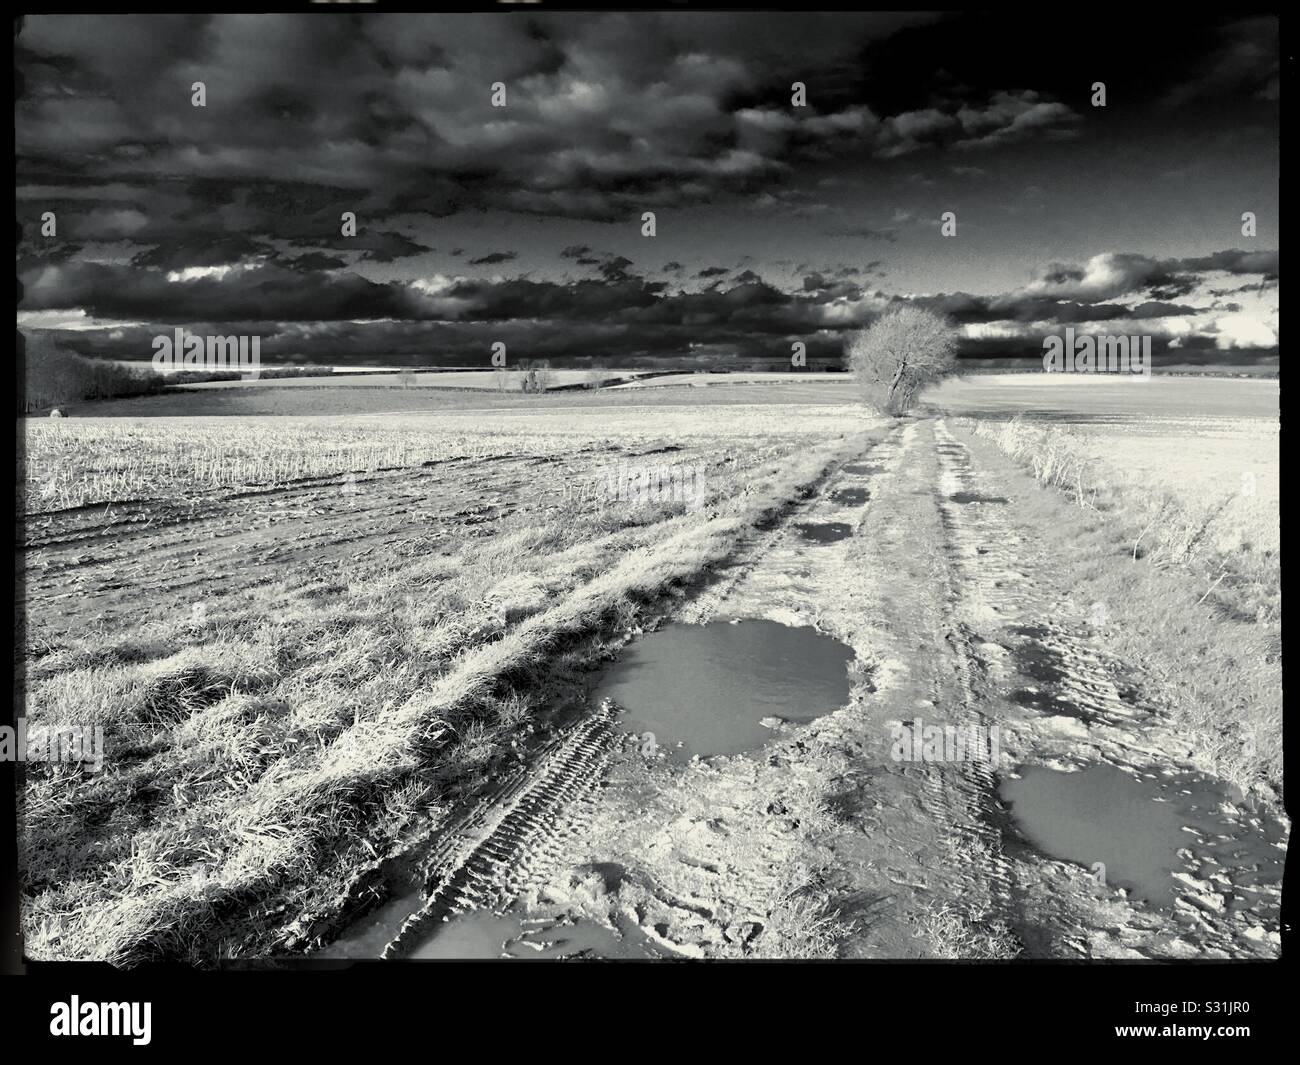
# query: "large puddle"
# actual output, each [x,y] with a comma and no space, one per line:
[1135,827]
[707,689]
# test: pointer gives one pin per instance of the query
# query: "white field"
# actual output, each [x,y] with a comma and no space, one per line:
[1202,438]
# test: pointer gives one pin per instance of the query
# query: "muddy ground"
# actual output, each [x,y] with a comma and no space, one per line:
[832,840]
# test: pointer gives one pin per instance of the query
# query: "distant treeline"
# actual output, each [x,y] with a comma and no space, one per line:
[50,376]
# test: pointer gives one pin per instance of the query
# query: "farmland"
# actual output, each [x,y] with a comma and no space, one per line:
[328,655]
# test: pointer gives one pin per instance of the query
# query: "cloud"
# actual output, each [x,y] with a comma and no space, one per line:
[1247,60]
[889,233]
[493,258]
[604,117]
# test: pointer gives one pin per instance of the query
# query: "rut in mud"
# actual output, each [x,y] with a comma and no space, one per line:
[508,838]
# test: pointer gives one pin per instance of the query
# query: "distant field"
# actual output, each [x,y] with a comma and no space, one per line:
[87,460]
[268,400]
[1092,399]
[486,379]
[1201,438]
[696,380]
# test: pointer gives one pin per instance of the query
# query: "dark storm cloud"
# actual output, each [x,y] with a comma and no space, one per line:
[384,247]
[615,268]
[864,233]
[1109,286]
[1118,274]
[314,260]
[385,114]
[230,214]
[123,292]
[1245,61]
[200,251]
[573,320]
[494,257]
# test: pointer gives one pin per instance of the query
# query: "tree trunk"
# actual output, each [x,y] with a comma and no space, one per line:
[898,376]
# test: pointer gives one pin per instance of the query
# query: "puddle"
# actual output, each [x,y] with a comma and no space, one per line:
[861,468]
[975,497]
[482,934]
[708,687]
[824,532]
[1135,826]
[1039,663]
[1048,703]
[851,496]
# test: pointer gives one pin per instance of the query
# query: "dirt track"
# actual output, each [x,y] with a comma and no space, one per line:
[820,842]
[951,609]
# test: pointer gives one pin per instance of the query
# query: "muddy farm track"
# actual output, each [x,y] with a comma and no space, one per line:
[898,825]
[955,623]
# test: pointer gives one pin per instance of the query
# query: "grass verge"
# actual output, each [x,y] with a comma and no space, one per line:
[1188,600]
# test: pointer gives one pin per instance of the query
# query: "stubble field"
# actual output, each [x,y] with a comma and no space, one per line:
[324,651]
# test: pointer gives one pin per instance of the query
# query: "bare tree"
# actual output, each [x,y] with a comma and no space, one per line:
[538,376]
[899,353]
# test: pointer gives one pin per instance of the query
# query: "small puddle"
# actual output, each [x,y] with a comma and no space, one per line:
[709,687]
[861,468]
[851,496]
[824,532]
[1049,703]
[483,934]
[975,497]
[1135,827]
[1038,662]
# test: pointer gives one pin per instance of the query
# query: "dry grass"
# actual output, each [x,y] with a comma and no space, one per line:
[81,461]
[1191,585]
[70,464]
[958,934]
[257,757]
[1229,536]
[802,926]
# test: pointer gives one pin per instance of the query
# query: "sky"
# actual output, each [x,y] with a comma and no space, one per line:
[774,222]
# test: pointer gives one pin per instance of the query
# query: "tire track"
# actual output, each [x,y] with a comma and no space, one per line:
[964,792]
[513,836]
